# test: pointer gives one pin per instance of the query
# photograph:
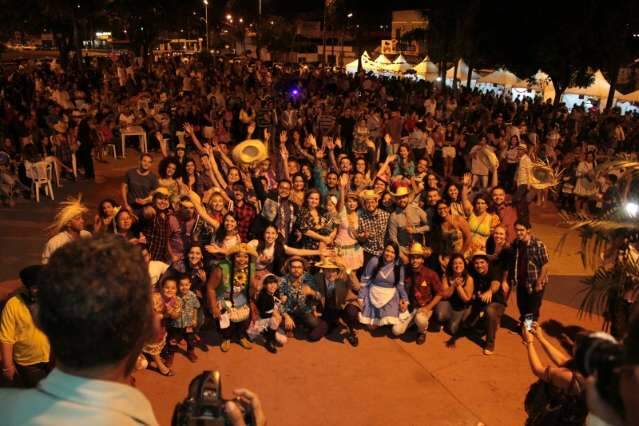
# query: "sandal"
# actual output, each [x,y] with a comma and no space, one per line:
[167,373]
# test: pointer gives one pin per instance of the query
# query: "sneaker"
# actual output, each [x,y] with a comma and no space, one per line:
[489,351]
[191,356]
[225,346]
[202,346]
[244,342]
[421,338]
[270,346]
[352,338]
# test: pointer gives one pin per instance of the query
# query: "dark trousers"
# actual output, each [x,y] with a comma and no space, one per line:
[330,320]
[176,335]
[529,303]
[520,201]
[85,161]
[492,317]
[28,376]
[235,329]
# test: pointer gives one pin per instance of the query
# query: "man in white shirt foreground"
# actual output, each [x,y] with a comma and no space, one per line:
[96,312]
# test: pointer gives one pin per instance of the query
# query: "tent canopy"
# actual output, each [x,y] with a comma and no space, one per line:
[400,59]
[382,60]
[630,97]
[599,88]
[351,67]
[426,67]
[500,77]
[462,72]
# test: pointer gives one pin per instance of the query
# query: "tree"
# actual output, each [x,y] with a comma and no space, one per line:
[606,247]
[553,40]
[612,33]
[276,34]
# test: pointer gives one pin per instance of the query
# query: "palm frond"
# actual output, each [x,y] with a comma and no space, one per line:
[608,285]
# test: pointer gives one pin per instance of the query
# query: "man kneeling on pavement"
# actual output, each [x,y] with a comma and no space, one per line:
[424,290]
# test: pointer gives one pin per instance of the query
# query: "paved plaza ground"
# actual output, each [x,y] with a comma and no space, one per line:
[383,381]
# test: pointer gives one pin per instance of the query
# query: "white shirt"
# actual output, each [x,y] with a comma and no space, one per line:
[63,399]
[58,241]
[524,170]
[156,270]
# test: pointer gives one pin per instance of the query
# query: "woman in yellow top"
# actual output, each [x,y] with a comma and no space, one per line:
[480,221]
[25,348]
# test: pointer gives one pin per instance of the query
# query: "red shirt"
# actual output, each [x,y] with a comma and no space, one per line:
[245,215]
[422,286]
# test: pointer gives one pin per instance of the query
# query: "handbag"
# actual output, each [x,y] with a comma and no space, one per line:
[239,314]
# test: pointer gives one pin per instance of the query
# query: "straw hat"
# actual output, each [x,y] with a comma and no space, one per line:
[543,176]
[368,194]
[162,191]
[419,250]
[488,157]
[479,254]
[327,263]
[70,209]
[292,259]
[402,189]
[249,151]
[242,248]
[180,146]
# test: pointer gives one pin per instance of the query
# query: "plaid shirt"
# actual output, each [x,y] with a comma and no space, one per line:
[245,215]
[537,255]
[157,232]
[375,224]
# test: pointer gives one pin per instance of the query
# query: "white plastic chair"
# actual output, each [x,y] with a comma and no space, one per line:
[41,175]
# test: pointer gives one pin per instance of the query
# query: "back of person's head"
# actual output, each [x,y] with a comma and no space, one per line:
[96,305]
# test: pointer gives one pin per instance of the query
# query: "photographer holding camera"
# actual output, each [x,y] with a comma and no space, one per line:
[558,397]
[612,387]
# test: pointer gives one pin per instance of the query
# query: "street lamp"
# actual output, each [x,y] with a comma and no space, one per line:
[206,20]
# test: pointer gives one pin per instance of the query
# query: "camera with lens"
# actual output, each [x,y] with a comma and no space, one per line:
[600,353]
[204,405]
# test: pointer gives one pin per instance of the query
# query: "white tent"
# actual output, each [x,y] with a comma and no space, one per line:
[598,89]
[427,70]
[629,103]
[501,77]
[400,65]
[367,63]
[462,74]
[351,67]
[540,83]
[382,60]
[630,97]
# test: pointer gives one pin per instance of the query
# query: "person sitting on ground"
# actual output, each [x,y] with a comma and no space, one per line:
[68,226]
[424,293]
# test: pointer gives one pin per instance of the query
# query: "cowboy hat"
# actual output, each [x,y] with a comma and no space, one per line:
[162,191]
[327,263]
[242,248]
[180,146]
[543,176]
[479,254]
[369,194]
[353,195]
[522,146]
[402,190]
[249,151]
[292,259]
[418,250]
[488,157]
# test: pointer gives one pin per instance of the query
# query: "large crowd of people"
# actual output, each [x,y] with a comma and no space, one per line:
[292,201]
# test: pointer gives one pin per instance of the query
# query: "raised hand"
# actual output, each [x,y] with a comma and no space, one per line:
[468,178]
[283,137]
[388,138]
[188,128]
[250,129]
[343,180]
